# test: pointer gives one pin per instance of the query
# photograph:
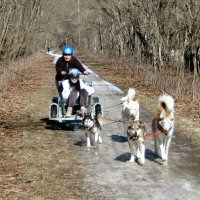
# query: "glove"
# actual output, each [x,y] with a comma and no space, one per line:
[86,73]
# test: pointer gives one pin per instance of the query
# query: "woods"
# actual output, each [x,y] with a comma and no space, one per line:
[154,35]
[158,32]
[20,22]
[155,31]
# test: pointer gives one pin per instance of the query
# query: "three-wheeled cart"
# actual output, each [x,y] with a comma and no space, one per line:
[94,107]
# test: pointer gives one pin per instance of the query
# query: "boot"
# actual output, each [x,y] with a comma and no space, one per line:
[69,112]
[83,111]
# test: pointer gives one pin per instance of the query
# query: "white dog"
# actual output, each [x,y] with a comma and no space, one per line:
[135,135]
[92,126]
[130,108]
[164,122]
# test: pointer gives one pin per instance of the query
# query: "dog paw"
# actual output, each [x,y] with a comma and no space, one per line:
[164,158]
[88,148]
[165,162]
[100,140]
[132,159]
[141,161]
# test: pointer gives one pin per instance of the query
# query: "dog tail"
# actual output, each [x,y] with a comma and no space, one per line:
[100,120]
[130,95]
[166,102]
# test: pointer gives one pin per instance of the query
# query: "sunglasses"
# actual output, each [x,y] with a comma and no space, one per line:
[67,54]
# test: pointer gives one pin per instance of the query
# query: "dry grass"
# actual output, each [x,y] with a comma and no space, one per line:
[18,69]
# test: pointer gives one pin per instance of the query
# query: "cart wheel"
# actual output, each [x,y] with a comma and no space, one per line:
[98,109]
[53,111]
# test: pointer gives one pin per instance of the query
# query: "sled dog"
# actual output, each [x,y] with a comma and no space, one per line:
[92,126]
[135,135]
[130,108]
[163,122]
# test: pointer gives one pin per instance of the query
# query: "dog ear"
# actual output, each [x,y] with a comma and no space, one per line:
[129,99]
[85,116]
[171,116]
[143,126]
[124,99]
[131,120]
[162,114]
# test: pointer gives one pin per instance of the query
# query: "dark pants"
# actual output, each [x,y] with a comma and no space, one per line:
[83,95]
[59,86]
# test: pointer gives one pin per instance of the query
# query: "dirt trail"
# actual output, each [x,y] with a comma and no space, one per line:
[117,178]
[39,161]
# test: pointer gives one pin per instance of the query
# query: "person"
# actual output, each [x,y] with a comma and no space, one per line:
[64,64]
[75,88]
[48,49]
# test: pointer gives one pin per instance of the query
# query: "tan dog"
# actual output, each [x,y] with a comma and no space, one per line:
[164,122]
[135,135]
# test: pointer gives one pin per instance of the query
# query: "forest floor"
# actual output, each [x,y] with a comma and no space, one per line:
[33,157]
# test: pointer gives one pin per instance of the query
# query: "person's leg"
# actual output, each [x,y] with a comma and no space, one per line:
[83,100]
[71,102]
[59,86]
[62,103]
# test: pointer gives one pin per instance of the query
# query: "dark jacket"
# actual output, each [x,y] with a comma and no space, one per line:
[63,65]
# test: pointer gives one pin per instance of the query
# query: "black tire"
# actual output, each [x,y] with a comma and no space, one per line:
[53,111]
[98,109]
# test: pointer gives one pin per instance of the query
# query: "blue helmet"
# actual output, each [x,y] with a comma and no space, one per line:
[68,50]
[73,72]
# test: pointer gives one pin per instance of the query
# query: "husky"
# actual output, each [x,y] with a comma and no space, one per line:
[164,123]
[92,126]
[135,135]
[130,108]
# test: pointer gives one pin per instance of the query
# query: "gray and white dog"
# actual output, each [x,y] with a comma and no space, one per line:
[92,126]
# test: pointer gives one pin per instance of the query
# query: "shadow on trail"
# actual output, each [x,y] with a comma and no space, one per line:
[80,143]
[149,155]
[54,125]
[123,157]
[118,138]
